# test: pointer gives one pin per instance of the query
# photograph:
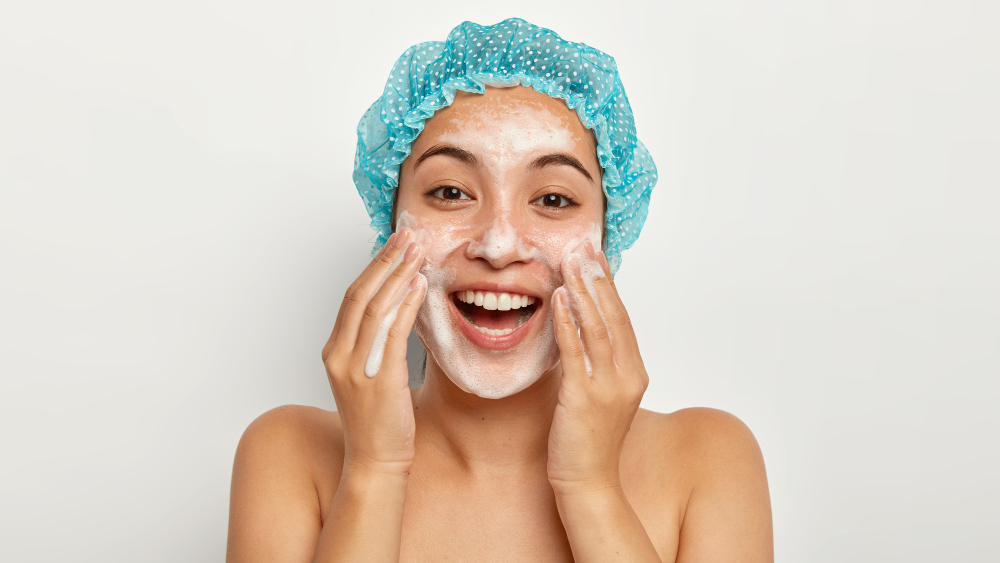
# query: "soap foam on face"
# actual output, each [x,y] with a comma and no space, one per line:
[489,373]
[501,240]
[503,133]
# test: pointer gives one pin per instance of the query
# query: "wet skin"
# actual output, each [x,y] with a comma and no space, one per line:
[568,468]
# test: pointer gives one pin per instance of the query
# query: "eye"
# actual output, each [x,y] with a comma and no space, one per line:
[449,192]
[554,200]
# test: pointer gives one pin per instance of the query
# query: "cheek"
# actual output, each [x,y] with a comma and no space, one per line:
[554,244]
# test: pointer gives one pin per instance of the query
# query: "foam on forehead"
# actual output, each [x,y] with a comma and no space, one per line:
[503,131]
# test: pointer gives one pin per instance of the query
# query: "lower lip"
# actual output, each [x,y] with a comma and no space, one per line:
[489,341]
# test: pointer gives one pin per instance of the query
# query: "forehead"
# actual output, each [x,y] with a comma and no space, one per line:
[502,109]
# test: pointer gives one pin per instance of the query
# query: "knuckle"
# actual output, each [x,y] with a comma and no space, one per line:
[620,318]
[357,297]
[350,291]
[574,351]
[598,331]
[387,258]
[373,311]
[335,365]
[396,332]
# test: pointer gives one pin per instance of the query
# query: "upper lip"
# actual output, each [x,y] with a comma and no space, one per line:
[496,288]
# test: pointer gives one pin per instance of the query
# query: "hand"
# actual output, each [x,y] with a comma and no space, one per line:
[594,411]
[377,411]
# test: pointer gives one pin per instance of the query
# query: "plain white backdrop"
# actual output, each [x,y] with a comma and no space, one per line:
[822,259]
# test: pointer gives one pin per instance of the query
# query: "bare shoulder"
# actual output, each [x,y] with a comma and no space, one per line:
[295,433]
[709,435]
[713,463]
[283,464]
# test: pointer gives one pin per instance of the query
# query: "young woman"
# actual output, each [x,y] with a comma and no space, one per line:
[502,172]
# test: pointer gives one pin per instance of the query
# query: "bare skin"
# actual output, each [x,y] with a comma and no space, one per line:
[568,469]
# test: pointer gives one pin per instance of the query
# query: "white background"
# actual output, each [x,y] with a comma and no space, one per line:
[822,259]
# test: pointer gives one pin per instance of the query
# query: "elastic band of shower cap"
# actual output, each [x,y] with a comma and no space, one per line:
[427,75]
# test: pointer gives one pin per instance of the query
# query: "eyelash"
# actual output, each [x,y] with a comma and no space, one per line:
[438,192]
[441,189]
[569,201]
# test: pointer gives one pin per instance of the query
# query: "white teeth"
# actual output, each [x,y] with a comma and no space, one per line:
[495,331]
[493,301]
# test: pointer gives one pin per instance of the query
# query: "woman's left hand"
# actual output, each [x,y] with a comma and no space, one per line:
[594,410]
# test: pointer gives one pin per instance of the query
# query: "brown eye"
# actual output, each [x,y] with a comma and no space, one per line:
[554,200]
[450,192]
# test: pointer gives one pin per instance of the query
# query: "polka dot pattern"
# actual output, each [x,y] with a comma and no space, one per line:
[426,77]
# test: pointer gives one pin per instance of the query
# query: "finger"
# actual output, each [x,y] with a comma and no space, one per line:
[395,345]
[603,260]
[387,300]
[347,296]
[368,285]
[623,342]
[595,335]
[571,353]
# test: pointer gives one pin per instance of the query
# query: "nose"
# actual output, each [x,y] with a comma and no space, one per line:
[500,245]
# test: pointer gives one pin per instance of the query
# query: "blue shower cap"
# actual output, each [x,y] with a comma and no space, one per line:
[427,75]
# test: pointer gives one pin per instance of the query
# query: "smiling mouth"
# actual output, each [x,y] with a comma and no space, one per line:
[495,314]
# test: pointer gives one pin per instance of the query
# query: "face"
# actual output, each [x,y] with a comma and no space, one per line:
[499,188]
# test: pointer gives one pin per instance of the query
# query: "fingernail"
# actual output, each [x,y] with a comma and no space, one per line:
[415,282]
[392,238]
[412,252]
[589,247]
[402,238]
[604,261]
[561,298]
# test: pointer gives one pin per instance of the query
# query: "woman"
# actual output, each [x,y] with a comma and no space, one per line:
[496,167]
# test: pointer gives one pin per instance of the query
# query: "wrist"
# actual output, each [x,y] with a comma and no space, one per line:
[375,473]
[589,488]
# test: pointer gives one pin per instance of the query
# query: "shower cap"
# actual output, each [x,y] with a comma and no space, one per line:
[427,75]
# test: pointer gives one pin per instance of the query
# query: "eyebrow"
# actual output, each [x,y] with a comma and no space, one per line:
[557,159]
[448,150]
[467,157]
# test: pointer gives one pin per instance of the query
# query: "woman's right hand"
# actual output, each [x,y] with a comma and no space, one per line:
[377,412]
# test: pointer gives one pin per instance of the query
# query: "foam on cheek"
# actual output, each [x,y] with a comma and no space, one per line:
[490,374]
[494,373]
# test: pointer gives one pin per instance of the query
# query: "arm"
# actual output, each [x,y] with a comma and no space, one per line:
[601,526]
[728,516]
[365,522]
[275,512]
[592,418]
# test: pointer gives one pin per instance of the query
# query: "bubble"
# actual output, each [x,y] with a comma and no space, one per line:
[488,373]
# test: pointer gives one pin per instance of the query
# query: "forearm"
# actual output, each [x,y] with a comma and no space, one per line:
[601,526]
[365,520]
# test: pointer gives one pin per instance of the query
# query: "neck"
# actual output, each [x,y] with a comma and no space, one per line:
[480,435]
